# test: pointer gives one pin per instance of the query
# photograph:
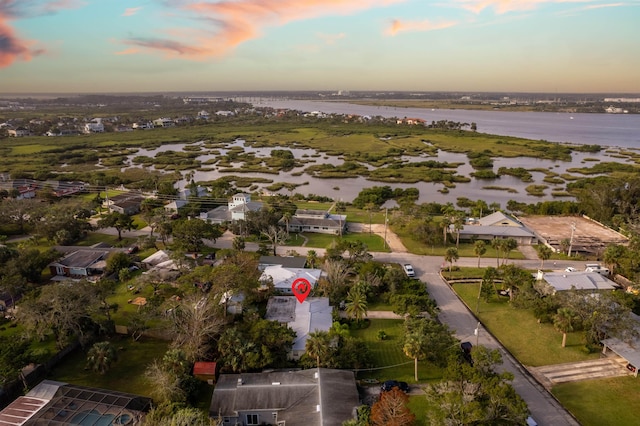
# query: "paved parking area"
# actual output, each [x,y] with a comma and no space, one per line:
[610,366]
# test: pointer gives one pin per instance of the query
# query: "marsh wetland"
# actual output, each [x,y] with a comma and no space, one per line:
[335,156]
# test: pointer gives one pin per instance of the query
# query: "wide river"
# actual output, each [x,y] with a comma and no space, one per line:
[621,130]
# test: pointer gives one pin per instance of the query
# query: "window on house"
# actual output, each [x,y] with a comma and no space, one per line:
[252,419]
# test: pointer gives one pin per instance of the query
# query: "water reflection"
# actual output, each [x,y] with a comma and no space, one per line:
[347,189]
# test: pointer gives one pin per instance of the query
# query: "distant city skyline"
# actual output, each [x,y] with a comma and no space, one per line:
[565,46]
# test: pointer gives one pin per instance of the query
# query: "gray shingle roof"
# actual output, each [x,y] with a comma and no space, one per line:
[305,397]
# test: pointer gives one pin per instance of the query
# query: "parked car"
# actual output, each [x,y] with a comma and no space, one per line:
[390,384]
[408,269]
[570,269]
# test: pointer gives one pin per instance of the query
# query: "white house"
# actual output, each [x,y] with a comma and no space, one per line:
[314,314]
[19,132]
[94,126]
[236,209]
[318,221]
[164,122]
[283,277]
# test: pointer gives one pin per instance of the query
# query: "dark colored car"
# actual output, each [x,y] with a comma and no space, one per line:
[390,384]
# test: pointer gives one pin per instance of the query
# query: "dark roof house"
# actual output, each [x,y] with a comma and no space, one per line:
[80,263]
[314,397]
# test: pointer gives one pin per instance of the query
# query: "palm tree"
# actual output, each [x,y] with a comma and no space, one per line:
[356,304]
[286,216]
[444,224]
[101,356]
[458,224]
[498,245]
[312,258]
[612,255]
[563,322]
[451,255]
[479,248]
[414,348]
[318,345]
[509,245]
[544,253]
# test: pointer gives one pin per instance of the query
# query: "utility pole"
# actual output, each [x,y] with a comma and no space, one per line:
[573,229]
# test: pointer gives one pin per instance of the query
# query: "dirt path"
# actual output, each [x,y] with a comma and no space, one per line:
[392,239]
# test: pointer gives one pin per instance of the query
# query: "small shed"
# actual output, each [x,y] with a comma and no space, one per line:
[205,370]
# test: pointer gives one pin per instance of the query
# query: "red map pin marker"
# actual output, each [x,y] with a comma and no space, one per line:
[301,289]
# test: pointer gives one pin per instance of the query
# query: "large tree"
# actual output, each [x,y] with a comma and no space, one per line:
[276,236]
[392,410]
[426,339]
[195,322]
[117,220]
[190,234]
[68,311]
[475,393]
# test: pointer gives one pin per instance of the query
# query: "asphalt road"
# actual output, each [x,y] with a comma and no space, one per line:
[544,408]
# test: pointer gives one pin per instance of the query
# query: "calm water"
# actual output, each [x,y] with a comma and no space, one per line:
[615,130]
[621,130]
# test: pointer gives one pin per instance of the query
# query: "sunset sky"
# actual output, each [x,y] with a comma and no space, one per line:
[422,45]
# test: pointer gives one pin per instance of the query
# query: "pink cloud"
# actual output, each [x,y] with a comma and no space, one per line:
[170,47]
[398,26]
[13,47]
[505,6]
[130,11]
[235,22]
[129,51]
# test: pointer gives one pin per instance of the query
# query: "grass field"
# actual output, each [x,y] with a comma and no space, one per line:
[390,361]
[602,402]
[126,374]
[415,246]
[373,242]
[531,343]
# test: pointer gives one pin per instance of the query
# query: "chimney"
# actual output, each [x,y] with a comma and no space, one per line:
[540,275]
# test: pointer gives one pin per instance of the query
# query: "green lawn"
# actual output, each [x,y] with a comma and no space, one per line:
[420,408]
[388,353]
[602,402]
[532,343]
[96,237]
[415,246]
[126,375]
[373,242]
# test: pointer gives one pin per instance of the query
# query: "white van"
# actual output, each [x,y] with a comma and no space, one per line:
[595,267]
